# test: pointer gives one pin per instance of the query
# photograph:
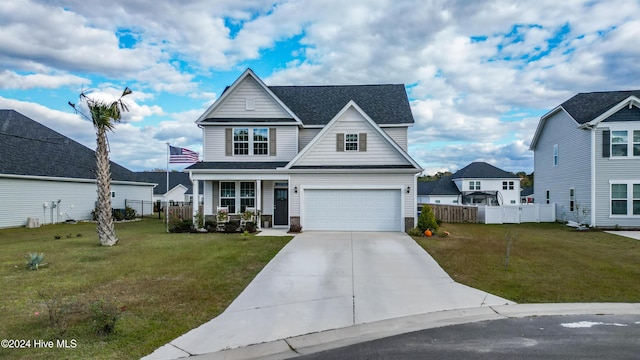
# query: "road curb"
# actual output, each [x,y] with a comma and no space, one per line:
[296,346]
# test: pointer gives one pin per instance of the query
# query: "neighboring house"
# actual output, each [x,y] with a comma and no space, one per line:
[180,186]
[46,176]
[478,183]
[587,158]
[322,157]
[526,195]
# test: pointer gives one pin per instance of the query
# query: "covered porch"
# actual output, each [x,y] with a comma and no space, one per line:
[266,196]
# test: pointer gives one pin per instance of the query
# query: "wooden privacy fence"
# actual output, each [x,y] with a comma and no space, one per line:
[455,213]
[183,211]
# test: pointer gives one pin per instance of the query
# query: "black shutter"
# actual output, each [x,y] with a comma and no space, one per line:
[606,144]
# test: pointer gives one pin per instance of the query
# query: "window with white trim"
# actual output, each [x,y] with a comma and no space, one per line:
[241,141]
[619,143]
[508,185]
[636,142]
[625,198]
[556,155]
[351,142]
[247,195]
[474,185]
[248,141]
[228,195]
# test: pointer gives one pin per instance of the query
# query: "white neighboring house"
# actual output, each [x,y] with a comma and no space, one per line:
[44,175]
[180,186]
[322,157]
[478,183]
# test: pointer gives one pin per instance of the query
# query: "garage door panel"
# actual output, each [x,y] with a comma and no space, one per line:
[352,210]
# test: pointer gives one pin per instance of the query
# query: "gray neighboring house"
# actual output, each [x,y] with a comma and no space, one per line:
[587,156]
[478,183]
[44,175]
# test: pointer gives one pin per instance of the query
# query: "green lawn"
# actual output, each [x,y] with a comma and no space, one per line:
[548,262]
[166,284]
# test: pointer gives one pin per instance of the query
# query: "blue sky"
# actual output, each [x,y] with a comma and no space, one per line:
[479,74]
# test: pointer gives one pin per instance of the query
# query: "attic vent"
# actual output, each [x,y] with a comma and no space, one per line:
[250,104]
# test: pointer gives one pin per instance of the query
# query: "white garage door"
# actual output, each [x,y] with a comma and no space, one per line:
[352,210]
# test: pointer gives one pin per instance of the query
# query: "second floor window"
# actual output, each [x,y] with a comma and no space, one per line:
[507,185]
[636,142]
[240,141]
[474,185]
[619,143]
[351,142]
[247,141]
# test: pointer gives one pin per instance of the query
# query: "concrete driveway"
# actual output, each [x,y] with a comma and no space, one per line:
[329,280]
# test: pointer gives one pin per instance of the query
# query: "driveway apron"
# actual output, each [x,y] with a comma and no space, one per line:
[329,280]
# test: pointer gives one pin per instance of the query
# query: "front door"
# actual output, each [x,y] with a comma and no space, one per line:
[281,207]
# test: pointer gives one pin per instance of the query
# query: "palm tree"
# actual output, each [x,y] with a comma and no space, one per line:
[104,116]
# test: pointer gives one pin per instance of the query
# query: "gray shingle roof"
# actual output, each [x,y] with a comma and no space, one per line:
[584,107]
[482,170]
[30,148]
[442,186]
[316,105]
[160,178]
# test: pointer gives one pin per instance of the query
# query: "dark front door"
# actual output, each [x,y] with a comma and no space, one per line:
[281,207]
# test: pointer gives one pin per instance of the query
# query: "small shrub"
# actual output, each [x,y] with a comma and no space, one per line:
[62,312]
[57,237]
[35,260]
[178,225]
[427,219]
[210,225]
[232,226]
[130,213]
[118,214]
[415,232]
[199,220]
[250,227]
[104,316]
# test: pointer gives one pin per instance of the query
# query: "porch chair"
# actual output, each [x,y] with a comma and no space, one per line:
[249,215]
[222,217]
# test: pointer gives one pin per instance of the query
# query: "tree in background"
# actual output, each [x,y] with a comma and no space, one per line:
[104,116]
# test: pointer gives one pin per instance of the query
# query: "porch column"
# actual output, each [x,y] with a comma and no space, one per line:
[258,203]
[196,201]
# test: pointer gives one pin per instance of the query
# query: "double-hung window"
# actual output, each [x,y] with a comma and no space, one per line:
[636,142]
[248,141]
[619,199]
[247,195]
[228,195]
[508,185]
[556,155]
[241,141]
[619,143]
[474,185]
[351,142]
[261,141]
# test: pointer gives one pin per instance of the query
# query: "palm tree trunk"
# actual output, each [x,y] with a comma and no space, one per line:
[105,228]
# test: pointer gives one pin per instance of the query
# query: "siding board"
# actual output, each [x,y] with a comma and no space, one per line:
[235,105]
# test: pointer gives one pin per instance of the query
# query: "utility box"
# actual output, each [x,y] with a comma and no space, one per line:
[33,223]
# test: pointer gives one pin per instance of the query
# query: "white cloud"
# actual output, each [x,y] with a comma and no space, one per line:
[470,65]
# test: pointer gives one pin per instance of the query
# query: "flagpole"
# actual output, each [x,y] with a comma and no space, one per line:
[166,198]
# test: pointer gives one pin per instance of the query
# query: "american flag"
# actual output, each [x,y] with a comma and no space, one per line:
[179,155]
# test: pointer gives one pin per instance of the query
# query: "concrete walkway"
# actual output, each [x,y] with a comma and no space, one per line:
[626,233]
[331,280]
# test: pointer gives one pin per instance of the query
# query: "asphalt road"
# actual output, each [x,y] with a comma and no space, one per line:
[546,337]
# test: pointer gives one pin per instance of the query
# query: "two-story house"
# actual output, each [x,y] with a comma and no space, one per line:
[587,159]
[478,183]
[322,157]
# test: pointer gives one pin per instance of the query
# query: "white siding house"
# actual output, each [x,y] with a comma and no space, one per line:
[50,178]
[587,159]
[478,183]
[322,157]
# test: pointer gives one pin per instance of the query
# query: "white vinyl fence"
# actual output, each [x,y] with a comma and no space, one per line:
[515,214]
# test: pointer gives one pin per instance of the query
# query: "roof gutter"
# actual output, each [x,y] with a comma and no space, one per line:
[78,180]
